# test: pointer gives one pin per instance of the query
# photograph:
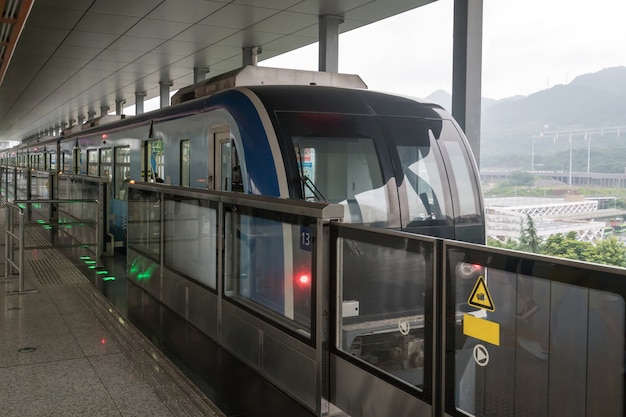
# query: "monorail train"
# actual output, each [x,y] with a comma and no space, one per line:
[393,162]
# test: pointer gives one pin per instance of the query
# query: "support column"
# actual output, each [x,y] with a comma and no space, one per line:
[81,119]
[250,55]
[118,106]
[329,43]
[139,98]
[467,69]
[199,74]
[90,115]
[165,92]
[104,110]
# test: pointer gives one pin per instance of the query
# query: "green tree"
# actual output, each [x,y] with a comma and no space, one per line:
[529,239]
[610,251]
[569,247]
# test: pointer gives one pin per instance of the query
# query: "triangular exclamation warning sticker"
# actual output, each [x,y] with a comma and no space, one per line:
[480,297]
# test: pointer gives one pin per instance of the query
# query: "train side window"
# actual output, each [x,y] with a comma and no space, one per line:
[92,162]
[105,163]
[122,171]
[65,161]
[184,163]
[52,160]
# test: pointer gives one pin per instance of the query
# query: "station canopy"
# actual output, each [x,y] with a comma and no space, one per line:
[64,59]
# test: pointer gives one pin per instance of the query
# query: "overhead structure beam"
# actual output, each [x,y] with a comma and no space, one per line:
[467,69]
[250,55]
[139,99]
[329,43]
[165,92]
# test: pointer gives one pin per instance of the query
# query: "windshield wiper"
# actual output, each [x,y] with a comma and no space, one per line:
[308,183]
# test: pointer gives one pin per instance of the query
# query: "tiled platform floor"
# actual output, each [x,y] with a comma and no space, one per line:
[66,351]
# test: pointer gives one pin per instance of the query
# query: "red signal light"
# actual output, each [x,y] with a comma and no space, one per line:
[304,279]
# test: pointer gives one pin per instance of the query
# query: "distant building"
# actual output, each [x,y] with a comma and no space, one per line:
[506,217]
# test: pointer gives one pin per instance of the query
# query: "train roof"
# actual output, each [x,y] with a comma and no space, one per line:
[344,100]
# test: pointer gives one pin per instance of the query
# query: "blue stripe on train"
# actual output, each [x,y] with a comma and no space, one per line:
[258,154]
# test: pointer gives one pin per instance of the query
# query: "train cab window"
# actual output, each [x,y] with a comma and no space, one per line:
[92,162]
[122,171]
[105,163]
[422,182]
[152,161]
[184,163]
[469,209]
[339,161]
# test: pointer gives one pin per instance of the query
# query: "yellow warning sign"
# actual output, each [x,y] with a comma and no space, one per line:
[480,297]
[485,330]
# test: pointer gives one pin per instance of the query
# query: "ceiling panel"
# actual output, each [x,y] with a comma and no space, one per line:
[187,11]
[106,23]
[238,16]
[157,29]
[92,39]
[74,56]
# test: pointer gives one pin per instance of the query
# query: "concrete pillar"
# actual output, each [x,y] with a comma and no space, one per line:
[139,98]
[104,110]
[199,74]
[467,69]
[81,120]
[165,92]
[91,115]
[119,106]
[329,43]
[250,55]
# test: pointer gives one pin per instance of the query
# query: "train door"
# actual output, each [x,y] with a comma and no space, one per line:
[152,161]
[225,172]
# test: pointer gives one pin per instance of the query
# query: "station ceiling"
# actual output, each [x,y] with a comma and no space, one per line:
[77,56]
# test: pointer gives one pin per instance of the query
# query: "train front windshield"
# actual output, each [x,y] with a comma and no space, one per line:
[394,172]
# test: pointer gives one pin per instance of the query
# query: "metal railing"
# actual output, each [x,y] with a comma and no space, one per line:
[15,234]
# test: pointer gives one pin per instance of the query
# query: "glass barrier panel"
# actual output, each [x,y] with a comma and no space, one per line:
[22,184]
[39,185]
[384,303]
[269,264]
[534,336]
[144,222]
[190,238]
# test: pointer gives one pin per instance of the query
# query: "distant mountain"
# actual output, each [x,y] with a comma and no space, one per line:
[591,100]
[444,99]
[595,100]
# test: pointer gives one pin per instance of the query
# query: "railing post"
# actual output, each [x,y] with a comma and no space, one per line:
[20,253]
[7,240]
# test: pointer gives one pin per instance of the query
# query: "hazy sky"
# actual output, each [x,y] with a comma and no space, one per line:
[528,45]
